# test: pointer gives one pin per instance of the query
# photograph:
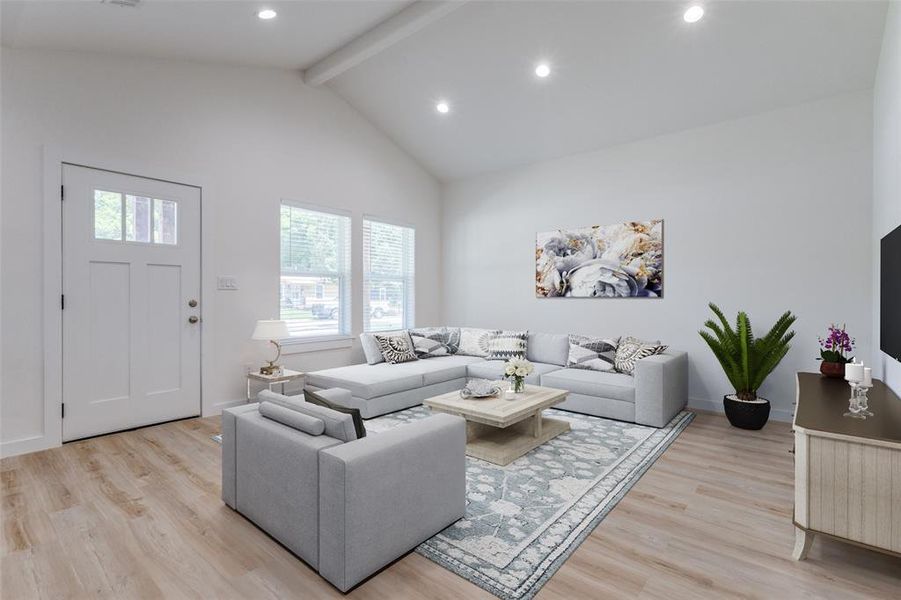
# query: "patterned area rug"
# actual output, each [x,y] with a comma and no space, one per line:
[524,520]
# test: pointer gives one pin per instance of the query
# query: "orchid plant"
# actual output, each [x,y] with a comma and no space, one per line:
[518,369]
[836,344]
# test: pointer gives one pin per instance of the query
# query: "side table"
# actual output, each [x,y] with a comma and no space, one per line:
[287,375]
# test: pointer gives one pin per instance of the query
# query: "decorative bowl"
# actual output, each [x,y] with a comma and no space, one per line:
[480,388]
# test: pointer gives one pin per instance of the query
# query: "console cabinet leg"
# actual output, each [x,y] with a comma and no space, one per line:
[803,540]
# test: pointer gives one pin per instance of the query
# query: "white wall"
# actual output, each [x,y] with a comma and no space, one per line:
[765,213]
[249,137]
[887,167]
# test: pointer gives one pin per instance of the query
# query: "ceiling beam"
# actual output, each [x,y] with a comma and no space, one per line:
[410,20]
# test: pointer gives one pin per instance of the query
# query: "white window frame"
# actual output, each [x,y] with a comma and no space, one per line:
[407,279]
[343,339]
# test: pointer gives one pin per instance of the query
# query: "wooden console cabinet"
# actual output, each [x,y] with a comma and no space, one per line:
[847,471]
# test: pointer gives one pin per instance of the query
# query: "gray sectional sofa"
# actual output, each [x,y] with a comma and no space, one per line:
[346,506]
[656,392]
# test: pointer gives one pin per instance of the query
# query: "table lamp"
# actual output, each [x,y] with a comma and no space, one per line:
[272,330]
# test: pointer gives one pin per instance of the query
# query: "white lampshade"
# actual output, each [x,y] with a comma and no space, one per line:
[270,330]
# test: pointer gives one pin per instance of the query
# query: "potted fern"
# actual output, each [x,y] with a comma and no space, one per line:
[747,361]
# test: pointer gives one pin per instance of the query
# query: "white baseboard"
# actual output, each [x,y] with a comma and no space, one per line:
[26,445]
[215,409]
[36,443]
[43,442]
[776,414]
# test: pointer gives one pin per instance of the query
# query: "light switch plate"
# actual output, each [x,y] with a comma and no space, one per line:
[227,283]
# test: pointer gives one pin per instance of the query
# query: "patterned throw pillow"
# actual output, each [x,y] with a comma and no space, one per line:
[396,348]
[630,350]
[429,342]
[474,342]
[453,339]
[314,398]
[506,344]
[591,352]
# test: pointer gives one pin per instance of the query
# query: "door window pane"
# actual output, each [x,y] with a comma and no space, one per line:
[165,221]
[107,215]
[137,218]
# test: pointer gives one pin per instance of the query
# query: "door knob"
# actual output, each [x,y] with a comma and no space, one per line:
[192,319]
[192,303]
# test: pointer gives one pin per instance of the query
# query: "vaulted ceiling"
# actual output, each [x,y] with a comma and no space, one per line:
[620,70]
[226,32]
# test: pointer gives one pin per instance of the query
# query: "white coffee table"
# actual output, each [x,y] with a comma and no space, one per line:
[499,430]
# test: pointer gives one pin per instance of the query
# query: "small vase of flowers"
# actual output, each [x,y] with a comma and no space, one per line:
[834,350]
[517,369]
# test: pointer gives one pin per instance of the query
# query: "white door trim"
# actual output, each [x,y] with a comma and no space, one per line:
[53,157]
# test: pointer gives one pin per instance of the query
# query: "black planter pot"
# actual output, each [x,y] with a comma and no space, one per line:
[747,415]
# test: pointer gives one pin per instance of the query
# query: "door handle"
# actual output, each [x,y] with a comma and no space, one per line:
[192,303]
[192,319]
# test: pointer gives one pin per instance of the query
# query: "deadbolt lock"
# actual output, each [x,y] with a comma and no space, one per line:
[192,303]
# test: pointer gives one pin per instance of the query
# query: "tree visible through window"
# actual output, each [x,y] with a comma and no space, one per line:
[388,276]
[145,220]
[315,272]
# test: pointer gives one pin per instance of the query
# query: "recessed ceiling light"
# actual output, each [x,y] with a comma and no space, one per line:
[442,107]
[267,13]
[543,70]
[693,14]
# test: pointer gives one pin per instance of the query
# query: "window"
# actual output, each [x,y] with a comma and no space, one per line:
[315,272]
[144,220]
[388,276]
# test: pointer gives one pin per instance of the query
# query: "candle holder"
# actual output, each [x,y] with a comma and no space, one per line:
[862,401]
[854,402]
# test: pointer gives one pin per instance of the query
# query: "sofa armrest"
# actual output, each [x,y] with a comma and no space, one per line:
[383,495]
[661,387]
[336,395]
[229,464]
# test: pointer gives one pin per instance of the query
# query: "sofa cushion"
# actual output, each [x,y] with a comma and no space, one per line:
[371,349]
[337,425]
[551,348]
[453,339]
[591,352]
[438,369]
[396,347]
[630,350]
[507,344]
[292,418]
[320,400]
[429,342]
[370,345]
[592,383]
[474,342]
[494,370]
[367,381]
[459,359]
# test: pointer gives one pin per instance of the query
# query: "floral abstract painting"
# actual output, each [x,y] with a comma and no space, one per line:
[624,260]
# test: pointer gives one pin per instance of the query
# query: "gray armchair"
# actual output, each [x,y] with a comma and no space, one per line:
[347,508]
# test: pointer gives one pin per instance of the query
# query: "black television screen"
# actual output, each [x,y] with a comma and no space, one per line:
[890,301]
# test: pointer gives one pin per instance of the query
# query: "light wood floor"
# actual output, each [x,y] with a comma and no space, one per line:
[138,514]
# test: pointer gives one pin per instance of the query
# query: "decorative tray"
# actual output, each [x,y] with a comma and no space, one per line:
[480,388]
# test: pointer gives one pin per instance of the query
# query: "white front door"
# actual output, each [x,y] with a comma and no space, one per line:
[131,301]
